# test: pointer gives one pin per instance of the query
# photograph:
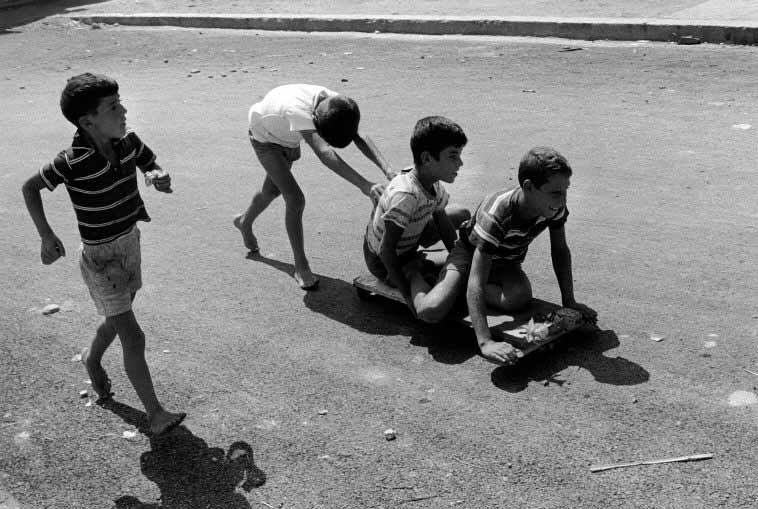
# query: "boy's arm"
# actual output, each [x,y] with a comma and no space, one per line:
[367,147]
[561,256]
[159,177]
[154,174]
[388,255]
[52,247]
[500,352]
[334,162]
[445,228]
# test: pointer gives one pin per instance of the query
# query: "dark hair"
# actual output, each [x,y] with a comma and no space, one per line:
[338,124]
[435,134]
[541,163]
[82,95]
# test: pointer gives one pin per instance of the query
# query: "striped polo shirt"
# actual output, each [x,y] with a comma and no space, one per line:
[106,199]
[501,233]
[409,205]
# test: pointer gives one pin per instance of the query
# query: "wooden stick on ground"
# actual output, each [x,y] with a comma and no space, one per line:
[694,457]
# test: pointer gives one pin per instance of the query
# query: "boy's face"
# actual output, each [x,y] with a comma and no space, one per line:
[446,166]
[108,121]
[550,198]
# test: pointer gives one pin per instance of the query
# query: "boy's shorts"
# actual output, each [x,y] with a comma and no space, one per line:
[459,259]
[112,272]
[270,154]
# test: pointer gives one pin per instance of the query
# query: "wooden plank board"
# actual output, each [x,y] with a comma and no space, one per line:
[548,321]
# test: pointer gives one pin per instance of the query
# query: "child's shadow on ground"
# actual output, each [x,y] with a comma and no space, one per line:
[447,342]
[583,349]
[456,343]
[338,300]
[188,472]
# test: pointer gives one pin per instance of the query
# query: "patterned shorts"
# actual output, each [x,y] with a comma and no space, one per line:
[112,272]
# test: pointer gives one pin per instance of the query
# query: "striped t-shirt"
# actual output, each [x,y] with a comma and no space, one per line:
[106,199]
[406,203]
[499,230]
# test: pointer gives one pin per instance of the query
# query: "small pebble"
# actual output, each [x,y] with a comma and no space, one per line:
[50,309]
[390,434]
[83,394]
[323,412]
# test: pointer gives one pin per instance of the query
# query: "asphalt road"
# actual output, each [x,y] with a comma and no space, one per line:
[661,228]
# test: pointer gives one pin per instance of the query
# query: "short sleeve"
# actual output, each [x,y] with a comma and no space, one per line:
[400,209]
[54,172]
[486,233]
[300,120]
[560,220]
[143,156]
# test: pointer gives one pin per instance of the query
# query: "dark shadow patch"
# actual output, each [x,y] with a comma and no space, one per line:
[448,342]
[339,301]
[188,472]
[583,349]
[29,12]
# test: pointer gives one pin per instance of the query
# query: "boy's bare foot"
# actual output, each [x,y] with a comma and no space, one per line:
[101,384]
[164,421]
[305,279]
[247,235]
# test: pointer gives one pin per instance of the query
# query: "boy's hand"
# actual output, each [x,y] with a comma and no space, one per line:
[375,192]
[501,353]
[587,312]
[52,249]
[160,179]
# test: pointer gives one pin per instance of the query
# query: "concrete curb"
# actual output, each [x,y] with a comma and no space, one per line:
[619,29]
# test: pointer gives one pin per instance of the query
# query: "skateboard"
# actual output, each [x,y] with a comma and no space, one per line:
[529,330]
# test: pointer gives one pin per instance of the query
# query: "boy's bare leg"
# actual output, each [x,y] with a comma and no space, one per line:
[261,200]
[433,303]
[293,220]
[92,357]
[508,289]
[279,177]
[133,346]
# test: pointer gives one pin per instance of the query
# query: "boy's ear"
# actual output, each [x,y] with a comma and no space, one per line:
[528,185]
[426,157]
[85,121]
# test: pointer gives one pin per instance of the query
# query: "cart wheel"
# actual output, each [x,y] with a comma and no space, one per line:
[362,293]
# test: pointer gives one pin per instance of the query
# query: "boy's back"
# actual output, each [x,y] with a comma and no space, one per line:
[284,111]
[502,232]
[409,205]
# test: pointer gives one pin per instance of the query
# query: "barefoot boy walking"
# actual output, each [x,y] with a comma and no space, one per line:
[99,172]
[277,124]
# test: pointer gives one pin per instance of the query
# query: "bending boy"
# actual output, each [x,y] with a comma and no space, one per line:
[498,236]
[99,172]
[411,213]
[324,119]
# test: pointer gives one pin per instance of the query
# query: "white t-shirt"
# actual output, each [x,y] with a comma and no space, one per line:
[285,111]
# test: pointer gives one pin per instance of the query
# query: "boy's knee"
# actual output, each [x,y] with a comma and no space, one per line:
[521,297]
[295,202]
[430,314]
[457,215]
[271,192]
[133,341]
